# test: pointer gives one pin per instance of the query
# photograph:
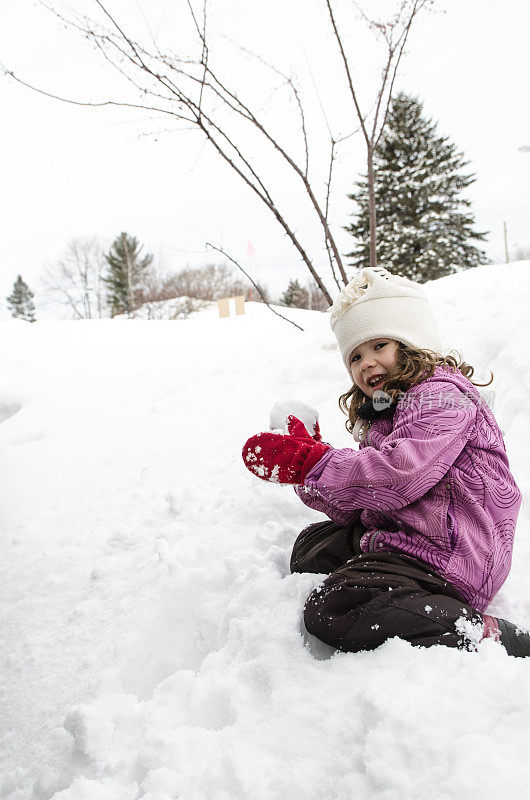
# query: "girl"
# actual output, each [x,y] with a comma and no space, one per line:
[422,516]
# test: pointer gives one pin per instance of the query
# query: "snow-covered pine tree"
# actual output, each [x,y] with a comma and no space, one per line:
[424,227]
[126,275]
[295,295]
[20,301]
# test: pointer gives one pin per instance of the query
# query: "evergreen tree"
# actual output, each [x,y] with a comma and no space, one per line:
[423,225]
[126,275]
[20,301]
[295,295]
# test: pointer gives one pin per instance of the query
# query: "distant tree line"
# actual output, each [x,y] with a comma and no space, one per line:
[93,283]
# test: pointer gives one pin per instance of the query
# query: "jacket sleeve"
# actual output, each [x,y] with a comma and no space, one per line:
[320,503]
[431,428]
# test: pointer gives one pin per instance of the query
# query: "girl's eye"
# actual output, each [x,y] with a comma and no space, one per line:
[378,345]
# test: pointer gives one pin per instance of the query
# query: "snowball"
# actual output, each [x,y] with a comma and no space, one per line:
[283,409]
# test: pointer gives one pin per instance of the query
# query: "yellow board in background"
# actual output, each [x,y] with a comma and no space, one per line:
[224,308]
[224,305]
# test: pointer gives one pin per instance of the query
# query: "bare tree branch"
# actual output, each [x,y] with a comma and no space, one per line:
[326,241]
[418,5]
[244,111]
[256,286]
[402,23]
[347,68]
[289,82]
[138,57]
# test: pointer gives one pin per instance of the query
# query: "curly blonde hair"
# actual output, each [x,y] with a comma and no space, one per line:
[412,367]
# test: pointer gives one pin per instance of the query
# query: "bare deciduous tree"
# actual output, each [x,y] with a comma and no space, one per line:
[394,32]
[317,301]
[75,280]
[203,283]
[260,294]
[193,91]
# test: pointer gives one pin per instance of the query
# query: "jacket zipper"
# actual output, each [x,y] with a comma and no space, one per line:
[371,543]
[452,521]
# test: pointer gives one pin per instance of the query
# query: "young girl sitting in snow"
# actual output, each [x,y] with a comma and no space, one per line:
[421,517]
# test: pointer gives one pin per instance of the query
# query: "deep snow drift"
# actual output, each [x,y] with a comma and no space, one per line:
[151,637]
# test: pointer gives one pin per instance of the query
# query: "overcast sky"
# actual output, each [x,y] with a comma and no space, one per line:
[70,172]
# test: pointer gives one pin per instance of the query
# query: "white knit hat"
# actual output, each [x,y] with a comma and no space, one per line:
[377,304]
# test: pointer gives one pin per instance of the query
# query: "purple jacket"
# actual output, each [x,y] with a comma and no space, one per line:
[431,481]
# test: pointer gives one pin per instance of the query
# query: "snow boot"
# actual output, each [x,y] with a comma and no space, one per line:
[515,641]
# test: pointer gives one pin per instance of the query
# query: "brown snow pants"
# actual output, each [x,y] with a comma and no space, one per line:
[370,597]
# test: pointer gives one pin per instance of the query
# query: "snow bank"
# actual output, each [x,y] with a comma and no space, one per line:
[174,308]
[151,633]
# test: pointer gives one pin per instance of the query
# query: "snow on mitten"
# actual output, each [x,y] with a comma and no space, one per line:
[278,458]
[283,409]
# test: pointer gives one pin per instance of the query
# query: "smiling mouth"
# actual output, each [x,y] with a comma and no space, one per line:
[374,381]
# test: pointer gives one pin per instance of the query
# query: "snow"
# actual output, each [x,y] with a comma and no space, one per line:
[151,636]
[175,308]
[283,409]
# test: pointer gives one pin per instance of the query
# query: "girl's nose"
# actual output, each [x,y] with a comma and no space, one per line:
[367,361]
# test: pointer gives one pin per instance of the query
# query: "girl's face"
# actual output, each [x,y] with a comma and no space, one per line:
[370,362]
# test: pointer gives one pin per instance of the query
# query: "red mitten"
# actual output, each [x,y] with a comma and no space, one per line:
[297,428]
[317,436]
[283,459]
[282,410]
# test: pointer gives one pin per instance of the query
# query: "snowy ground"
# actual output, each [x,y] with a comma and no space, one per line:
[151,640]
